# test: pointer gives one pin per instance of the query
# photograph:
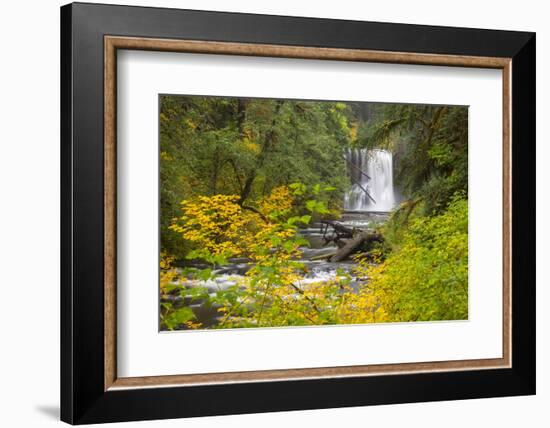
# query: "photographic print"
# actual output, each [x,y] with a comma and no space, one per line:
[283,212]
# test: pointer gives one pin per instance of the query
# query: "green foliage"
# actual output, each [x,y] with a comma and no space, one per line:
[177,317]
[425,277]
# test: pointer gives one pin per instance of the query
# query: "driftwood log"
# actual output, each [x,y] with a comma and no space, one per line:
[355,244]
[337,231]
[337,226]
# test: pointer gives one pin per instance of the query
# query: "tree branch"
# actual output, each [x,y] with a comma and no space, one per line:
[254,210]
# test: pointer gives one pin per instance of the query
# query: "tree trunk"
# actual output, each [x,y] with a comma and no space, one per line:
[247,188]
[264,152]
[355,244]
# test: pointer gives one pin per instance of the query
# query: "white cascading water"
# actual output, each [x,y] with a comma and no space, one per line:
[370,171]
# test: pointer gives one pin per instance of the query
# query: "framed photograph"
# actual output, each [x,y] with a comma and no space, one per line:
[266,213]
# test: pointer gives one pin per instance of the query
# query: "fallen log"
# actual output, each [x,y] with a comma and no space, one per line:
[337,231]
[339,227]
[365,191]
[355,244]
[355,167]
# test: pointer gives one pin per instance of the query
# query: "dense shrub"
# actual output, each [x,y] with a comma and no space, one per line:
[425,277]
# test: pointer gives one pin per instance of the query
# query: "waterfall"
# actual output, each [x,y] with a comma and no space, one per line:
[371,171]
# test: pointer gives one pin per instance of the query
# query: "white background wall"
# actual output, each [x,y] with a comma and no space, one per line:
[29,213]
